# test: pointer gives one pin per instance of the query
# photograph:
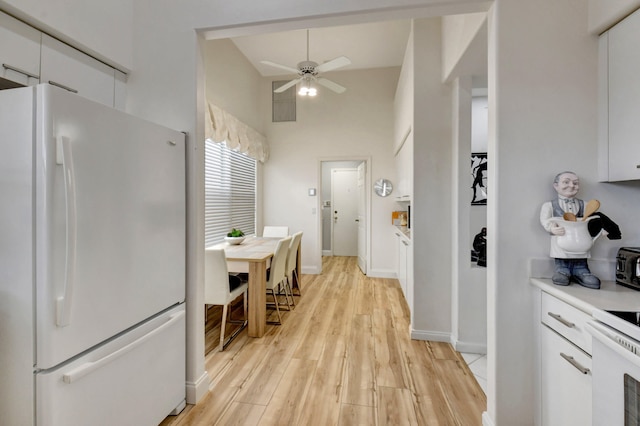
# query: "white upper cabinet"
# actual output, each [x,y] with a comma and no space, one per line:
[619,92]
[19,51]
[404,168]
[64,66]
[120,90]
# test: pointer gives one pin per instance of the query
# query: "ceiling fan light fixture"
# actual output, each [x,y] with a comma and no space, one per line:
[307,89]
[308,72]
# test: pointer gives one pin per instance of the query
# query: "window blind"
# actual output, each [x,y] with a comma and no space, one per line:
[230,192]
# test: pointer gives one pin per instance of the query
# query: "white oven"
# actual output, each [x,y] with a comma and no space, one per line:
[616,368]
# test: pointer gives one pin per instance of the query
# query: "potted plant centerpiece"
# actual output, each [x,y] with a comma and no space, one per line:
[236,236]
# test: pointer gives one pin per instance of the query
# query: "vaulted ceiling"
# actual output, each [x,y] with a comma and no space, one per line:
[372,45]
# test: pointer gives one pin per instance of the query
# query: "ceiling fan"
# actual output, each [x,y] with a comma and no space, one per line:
[308,73]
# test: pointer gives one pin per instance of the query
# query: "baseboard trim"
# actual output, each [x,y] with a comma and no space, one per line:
[487,420]
[381,273]
[196,390]
[470,347]
[327,252]
[434,336]
[311,270]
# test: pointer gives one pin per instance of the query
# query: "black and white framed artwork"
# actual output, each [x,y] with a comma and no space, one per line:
[479,175]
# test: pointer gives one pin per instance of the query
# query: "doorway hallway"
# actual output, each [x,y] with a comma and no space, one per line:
[342,356]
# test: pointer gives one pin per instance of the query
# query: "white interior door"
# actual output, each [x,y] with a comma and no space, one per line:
[344,195]
[362,218]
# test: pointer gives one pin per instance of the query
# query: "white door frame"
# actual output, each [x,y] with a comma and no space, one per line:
[367,161]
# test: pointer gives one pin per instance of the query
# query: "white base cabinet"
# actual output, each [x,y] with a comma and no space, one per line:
[565,364]
[403,247]
[404,270]
[565,381]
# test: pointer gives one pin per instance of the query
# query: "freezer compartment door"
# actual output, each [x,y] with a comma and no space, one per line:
[110,223]
[137,379]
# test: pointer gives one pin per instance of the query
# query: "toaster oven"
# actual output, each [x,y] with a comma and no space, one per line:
[628,267]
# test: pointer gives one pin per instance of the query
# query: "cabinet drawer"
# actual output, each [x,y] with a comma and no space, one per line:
[566,320]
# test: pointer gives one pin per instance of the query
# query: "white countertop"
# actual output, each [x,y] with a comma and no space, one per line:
[610,296]
[405,231]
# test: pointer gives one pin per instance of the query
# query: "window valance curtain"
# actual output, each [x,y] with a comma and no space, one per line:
[220,126]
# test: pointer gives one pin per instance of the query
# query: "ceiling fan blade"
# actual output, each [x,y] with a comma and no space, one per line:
[331,85]
[282,67]
[339,62]
[287,85]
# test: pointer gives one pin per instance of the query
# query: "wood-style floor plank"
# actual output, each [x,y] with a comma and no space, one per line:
[342,357]
[323,401]
[360,376]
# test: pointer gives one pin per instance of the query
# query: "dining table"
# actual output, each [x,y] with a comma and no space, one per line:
[253,256]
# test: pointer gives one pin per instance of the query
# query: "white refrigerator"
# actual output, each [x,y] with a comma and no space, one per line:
[92,263]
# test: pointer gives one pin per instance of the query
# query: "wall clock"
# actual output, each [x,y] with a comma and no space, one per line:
[383,187]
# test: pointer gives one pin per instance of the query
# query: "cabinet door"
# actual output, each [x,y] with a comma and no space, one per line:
[404,167]
[120,93]
[64,66]
[624,99]
[402,262]
[565,388]
[19,51]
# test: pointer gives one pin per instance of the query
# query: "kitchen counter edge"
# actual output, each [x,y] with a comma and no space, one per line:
[610,296]
[406,232]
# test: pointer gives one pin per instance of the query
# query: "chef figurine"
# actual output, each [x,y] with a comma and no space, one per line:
[568,266]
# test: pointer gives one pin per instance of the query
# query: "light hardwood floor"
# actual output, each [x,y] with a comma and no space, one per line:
[343,356]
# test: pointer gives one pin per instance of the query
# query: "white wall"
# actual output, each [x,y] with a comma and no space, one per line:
[479,124]
[403,101]
[605,13]
[431,209]
[469,289]
[355,124]
[542,108]
[459,32]
[233,84]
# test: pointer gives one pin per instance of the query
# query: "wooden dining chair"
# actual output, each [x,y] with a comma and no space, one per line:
[277,275]
[218,291]
[275,231]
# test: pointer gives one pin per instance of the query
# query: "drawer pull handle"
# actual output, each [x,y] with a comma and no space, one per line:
[62,86]
[571,360]
[20,71]
[560,319]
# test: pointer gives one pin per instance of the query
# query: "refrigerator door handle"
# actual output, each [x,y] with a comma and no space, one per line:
[64,157]
[89,367]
